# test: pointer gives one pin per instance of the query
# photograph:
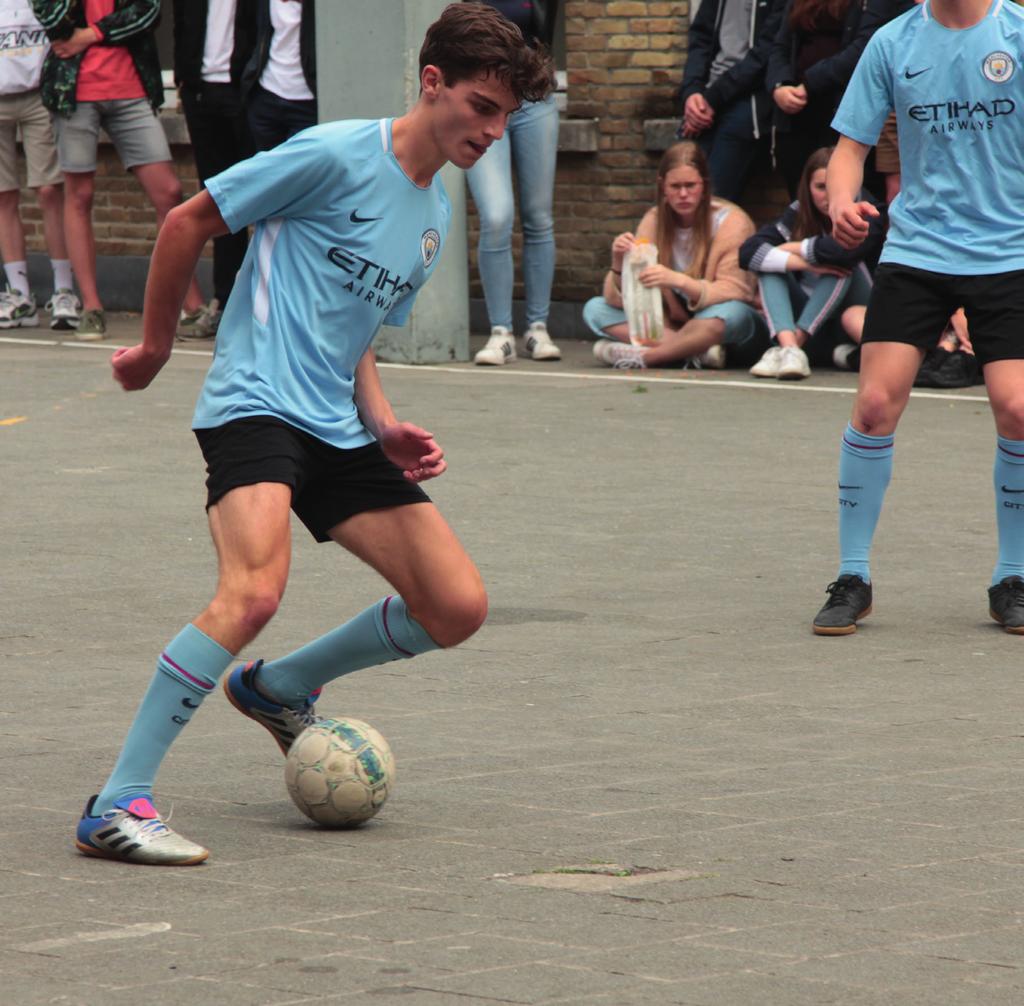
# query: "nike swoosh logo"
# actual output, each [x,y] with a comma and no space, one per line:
[841,486]
[1007,489]
[188,703]
[357,219]
[916,73]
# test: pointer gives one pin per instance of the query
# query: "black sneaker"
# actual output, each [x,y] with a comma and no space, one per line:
[1006,604]
[849,600]
[957,370]
[932,363]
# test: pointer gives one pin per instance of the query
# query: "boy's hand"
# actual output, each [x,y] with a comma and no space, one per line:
[135,367]
[850,222]
[413,450]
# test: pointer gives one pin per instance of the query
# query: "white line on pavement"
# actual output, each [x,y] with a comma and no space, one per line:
[648,377]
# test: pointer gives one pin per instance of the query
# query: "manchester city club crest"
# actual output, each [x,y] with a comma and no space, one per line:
[429,244]
[998,67]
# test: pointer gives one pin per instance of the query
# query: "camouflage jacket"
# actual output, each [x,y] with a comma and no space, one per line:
[130,25]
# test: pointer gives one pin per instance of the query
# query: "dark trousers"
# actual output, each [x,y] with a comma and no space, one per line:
[220,138]
[807,132]
[731,149]
[273,119]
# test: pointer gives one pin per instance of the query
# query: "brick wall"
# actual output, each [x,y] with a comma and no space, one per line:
[123,219]
[624,61]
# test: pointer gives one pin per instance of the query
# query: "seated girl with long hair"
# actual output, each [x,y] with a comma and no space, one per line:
[807,279]
[707,297]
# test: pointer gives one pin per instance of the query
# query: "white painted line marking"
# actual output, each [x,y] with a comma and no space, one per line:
[127,933]
[651,378]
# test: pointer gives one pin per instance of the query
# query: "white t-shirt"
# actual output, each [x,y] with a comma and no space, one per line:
[283,73]
[220,41]
[682,240]
[23,47]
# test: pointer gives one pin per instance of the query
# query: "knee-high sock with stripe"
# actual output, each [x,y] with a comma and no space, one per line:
[1008,478]
[186,673]
[865,467]
[383,632]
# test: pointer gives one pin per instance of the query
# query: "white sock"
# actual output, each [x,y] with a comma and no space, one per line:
[62,276]
[17,276]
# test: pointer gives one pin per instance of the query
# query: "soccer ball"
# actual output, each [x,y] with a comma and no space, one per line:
[340,772]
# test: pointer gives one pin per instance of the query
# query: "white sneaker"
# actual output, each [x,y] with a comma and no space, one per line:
[17,310]
[713,358]
[842,353]
[538,343]
[620,355]
[64,309]
[768,365]
[793,365]
[500,348]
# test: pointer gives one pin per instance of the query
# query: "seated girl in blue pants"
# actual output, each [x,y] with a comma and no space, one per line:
[807,279]
[707,297]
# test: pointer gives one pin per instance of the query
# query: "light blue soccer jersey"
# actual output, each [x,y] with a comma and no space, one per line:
[342,242]
[959,101]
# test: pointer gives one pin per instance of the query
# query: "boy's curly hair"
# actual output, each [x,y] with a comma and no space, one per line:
[473,39]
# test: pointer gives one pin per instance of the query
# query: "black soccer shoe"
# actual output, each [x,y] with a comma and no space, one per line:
[1006,604]
[849,600]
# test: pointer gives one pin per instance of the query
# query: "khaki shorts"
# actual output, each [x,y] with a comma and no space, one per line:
[26,110]
[130,123]
[887,151]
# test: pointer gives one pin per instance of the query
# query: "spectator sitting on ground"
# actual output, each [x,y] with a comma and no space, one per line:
[707,296]
[951,364]
[21,107]
[725,106]
[103,71]
[806,278]
[815,51]
[279,81]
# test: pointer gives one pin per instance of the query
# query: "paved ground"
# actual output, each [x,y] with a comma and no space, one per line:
[760,816]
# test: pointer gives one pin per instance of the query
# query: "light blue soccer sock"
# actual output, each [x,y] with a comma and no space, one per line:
[865,467]
[382,633]
[186,673]
[1008,478]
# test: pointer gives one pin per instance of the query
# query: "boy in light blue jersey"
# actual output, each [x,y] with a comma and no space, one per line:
[349,221]
[952,71]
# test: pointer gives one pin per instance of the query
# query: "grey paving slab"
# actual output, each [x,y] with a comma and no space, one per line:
[841,821]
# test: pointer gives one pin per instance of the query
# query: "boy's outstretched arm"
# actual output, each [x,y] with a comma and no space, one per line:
[179,244]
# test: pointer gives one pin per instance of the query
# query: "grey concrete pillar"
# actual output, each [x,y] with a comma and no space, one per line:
[367,57]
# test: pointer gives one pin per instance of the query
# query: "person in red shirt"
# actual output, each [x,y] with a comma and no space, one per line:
[103,72]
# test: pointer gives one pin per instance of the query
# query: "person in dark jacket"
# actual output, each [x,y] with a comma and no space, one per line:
[279,81]
[213,40]
[725,106]
[811,61]
[806,278]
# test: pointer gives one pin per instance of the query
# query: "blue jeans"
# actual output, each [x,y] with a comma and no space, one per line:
[745,332]
[788,305]
[531,142]
[730,148]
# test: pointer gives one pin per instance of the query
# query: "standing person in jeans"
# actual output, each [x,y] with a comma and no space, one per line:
[530,148]
[725,106]
[21,107]
[279,82]
[103,71]
[213,40]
